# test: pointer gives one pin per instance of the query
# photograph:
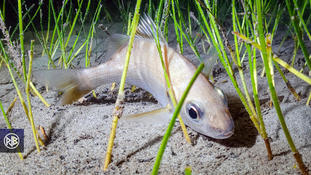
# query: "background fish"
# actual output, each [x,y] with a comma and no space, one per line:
[204,110]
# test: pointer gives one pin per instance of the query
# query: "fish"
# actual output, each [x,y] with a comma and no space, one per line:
[205,109]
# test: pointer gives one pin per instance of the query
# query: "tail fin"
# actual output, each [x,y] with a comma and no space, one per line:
[69,81]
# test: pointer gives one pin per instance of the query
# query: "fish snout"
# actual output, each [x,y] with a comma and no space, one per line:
[222,126]
[228,132]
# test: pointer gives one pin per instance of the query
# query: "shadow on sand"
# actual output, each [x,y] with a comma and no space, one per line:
[244,133]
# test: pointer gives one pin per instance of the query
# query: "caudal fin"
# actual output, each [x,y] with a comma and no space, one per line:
[69,81]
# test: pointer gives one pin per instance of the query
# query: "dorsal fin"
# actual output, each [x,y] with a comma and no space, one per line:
[115,42]
[147,29]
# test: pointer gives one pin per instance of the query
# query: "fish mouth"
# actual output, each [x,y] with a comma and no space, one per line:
[225,133]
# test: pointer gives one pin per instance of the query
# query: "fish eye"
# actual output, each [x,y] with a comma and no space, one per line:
[193,111]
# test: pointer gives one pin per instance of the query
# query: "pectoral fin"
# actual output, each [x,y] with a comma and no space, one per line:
[209,61]
[161,115]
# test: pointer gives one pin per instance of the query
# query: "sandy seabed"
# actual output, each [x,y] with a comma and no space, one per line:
[79,132]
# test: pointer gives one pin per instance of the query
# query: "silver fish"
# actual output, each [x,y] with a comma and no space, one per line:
[204,110]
